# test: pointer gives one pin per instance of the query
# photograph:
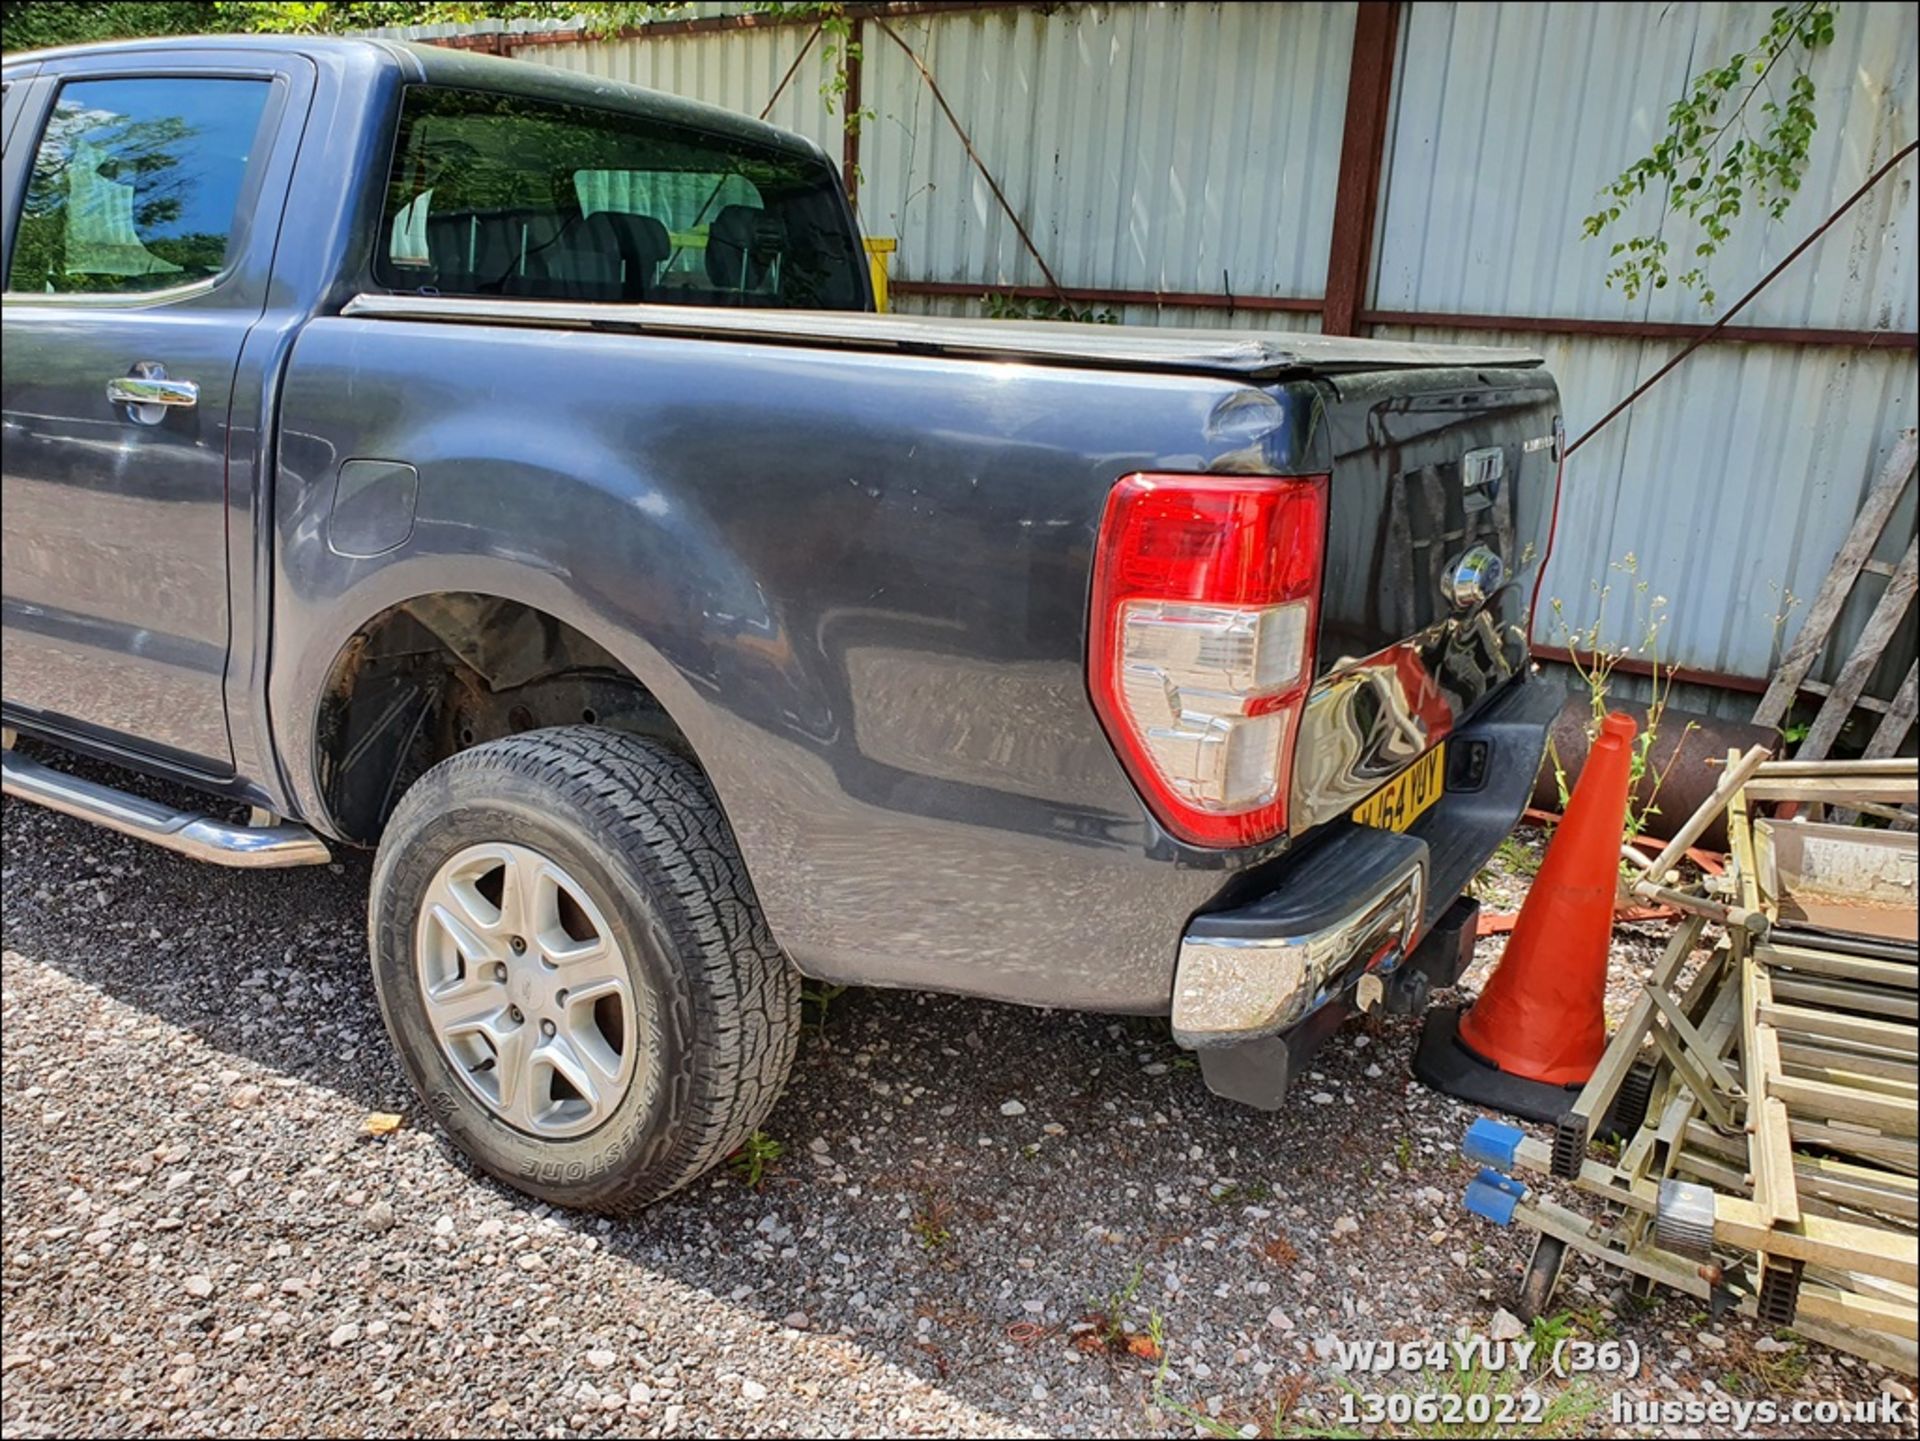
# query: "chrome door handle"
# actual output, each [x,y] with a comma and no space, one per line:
[133,390]
[149,393]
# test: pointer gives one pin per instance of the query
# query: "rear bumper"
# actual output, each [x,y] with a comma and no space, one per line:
[1358,901]
[1264,967]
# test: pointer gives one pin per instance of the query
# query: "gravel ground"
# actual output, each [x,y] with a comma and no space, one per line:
[984,1220]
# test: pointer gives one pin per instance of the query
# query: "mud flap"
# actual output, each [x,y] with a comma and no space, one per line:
[1257,1073]
[1254,1073]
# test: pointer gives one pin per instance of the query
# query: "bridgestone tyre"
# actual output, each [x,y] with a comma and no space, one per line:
[634,828]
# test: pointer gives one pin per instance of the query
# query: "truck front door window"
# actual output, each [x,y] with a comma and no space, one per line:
[135,184]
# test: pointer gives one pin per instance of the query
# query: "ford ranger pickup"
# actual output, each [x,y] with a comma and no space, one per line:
[506,469]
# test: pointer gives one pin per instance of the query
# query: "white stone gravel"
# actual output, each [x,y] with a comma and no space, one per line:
[199,1240]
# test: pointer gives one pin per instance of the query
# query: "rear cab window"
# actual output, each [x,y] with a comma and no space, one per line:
[501,195]
[136,184]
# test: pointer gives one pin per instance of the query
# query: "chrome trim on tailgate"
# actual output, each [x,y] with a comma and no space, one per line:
[1367,720]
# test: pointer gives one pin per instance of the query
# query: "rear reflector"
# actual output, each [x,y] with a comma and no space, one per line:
[1205,595]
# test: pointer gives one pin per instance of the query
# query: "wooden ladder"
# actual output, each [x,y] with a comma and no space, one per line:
[1848,689]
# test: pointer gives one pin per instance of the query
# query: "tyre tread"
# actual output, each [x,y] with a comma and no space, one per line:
[654,806]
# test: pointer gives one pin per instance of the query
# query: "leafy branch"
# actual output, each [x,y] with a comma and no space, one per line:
[1712,162]
[1008,305]
[838,51]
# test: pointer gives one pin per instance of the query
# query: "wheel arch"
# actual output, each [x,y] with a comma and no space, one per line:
[408,671]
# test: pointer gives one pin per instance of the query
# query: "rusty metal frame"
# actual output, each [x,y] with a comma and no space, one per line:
[1649,329]
[852,54]
[1106,295]
[1363,144]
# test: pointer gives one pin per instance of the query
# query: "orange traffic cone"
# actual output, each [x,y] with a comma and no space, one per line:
[1539,1027]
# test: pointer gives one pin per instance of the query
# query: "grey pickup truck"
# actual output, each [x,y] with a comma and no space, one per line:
[507,469]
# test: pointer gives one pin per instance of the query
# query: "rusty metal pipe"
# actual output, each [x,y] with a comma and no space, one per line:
[1685,765]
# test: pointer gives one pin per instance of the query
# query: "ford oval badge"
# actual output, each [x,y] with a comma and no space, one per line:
[1473,577]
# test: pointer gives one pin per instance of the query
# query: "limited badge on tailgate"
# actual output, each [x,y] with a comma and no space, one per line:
[1409,795]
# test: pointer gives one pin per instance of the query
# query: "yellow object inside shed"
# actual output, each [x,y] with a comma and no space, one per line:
[880,249]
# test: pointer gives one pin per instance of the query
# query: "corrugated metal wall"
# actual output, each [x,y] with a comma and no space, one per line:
[1138,160]
[1509,118]
[1733,482]
[739,69]
[1196,147]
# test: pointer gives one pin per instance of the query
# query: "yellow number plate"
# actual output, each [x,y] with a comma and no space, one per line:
[1405,798]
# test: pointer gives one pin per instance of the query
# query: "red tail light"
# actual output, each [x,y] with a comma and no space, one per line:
[1206,593]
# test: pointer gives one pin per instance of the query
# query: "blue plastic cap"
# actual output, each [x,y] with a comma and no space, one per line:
[1494,1196]
[1492,1143]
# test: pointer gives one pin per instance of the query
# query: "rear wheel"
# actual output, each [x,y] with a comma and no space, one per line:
[574,969]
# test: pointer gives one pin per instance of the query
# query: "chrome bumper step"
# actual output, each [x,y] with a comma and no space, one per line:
[192,834]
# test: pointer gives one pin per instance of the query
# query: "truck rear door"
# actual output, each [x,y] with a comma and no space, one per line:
[144,201]
[1438,509]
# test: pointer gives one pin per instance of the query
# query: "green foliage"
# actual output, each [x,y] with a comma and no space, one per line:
[1595,667]
[1569,1412]
[1518,857]
[1005,305]
[1110,1317]
[755,1158]
[38,24]
[820,996]
[1234,1193]
[838,50]
[929,1223]
[1711,163]
[1778,1373]
[34,24]
[1546,1332]
[1592,1321]
[1107,1329]
[344,15]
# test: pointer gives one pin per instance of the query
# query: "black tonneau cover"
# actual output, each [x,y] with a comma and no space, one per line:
[1245,355]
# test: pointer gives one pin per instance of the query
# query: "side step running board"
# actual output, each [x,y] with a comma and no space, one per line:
[201,837]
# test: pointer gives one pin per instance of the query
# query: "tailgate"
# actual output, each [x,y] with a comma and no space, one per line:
[1439,504]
